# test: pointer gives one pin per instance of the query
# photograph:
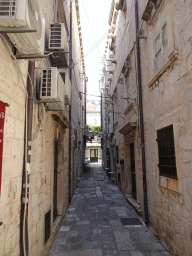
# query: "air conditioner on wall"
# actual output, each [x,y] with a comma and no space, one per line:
[58,42]
[23,14]
[52,88]
[58,38]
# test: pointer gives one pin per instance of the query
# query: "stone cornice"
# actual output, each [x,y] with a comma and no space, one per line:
[128,128]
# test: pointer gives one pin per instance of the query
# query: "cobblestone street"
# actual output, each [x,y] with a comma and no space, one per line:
[100,222]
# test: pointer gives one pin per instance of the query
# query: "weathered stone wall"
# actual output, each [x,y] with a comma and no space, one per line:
[13,92]
[166,101]
[45,131]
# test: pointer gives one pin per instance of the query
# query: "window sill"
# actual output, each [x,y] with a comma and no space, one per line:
[169,183]
[165,66]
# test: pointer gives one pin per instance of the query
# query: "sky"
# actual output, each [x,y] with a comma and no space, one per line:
[94,17]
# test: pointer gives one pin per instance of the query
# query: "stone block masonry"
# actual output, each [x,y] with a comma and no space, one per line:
[92,224]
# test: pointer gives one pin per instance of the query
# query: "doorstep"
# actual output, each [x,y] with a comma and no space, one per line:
[133,203]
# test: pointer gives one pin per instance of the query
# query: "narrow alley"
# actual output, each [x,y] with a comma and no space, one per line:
[99,221]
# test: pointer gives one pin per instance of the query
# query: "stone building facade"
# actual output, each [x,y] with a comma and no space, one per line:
[93,112]
[93,152]
[165,51]
[50,183]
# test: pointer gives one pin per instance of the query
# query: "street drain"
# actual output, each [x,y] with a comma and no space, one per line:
[131,222]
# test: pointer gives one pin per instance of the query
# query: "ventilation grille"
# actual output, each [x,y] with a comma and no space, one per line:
[8,8]
[55,37]
[46,83]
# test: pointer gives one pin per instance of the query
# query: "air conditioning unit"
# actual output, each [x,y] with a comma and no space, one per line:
[110,128]
[127,64]
[24,14]
[58,41]
[52,88]
[111,72]
[109,79]
[58,38]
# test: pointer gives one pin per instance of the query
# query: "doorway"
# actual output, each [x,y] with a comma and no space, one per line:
[94,155]
[133,175]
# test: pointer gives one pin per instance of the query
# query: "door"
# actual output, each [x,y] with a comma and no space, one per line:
[94,155]
[133,176]
[55,181]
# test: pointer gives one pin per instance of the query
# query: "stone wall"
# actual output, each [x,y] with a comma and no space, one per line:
[166,101]
[46,129]
[13,92]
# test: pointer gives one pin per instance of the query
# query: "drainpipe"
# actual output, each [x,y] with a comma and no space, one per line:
[85,118]
[141,115]
[101,126]
[86,79]
[55,12]
[70,110]
[24,248]
[114,164]
[101,109]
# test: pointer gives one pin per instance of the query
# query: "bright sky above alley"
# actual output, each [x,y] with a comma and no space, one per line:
[94,23]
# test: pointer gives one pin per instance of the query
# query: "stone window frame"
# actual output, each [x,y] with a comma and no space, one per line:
[151,16]
[160,38]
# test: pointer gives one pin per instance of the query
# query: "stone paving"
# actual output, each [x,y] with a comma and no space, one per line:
[92,225]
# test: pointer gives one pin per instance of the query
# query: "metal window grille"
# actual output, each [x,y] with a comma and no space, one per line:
[166,148]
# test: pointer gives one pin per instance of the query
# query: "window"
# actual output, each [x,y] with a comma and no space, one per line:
[162,43]
[166,148]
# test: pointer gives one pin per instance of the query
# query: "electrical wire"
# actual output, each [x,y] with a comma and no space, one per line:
[91,28]
[92,48]
[41,125]
[110,97]
[26,189]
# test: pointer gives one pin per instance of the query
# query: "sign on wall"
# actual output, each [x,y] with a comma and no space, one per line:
[2,120]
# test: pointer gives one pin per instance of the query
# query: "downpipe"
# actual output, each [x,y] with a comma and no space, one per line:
[70,106]
[24,226]
[141,116]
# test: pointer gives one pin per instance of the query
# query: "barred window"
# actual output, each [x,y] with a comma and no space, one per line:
[166,148]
